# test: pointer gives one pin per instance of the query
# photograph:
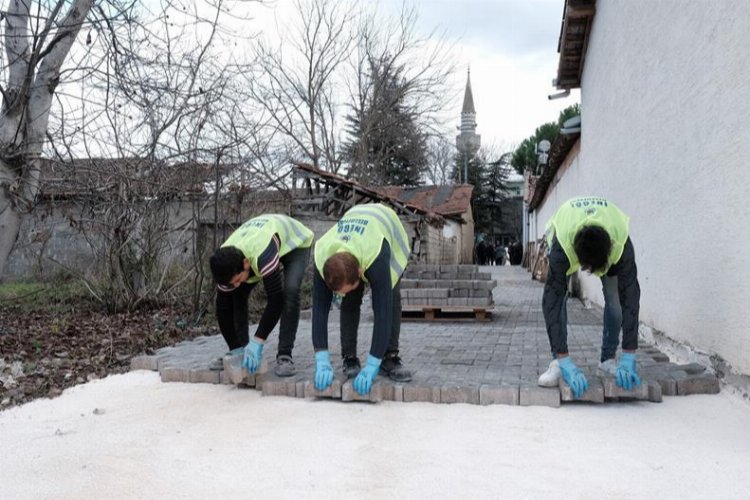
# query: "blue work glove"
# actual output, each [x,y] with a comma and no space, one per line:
[363,383]
[253,355]
[323,370]
[626,375]
[573,376]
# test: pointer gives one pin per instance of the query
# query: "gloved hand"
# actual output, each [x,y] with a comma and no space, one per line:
[573,376]
[363,383]
[323,370]
[626,375]
[253,355]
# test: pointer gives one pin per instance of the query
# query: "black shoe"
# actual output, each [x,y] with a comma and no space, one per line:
[284,366]
[392,367]
[351,366]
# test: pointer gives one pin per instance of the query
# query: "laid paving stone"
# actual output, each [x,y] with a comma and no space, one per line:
[452,393]
[668,386]
[333,391]
[612,390]
[144,362]
[203,376]
[654,391]
[349,394]
[275,386]
[692,368]
[539,396]
[594,394]
[705,383]
[174,374]
[499,395]
[414,393]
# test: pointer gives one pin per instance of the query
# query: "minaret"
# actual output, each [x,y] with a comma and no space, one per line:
[468,141]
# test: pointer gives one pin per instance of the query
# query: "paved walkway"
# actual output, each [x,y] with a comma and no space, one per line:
[477,363]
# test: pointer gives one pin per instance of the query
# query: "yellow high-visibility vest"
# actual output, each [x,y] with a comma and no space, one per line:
[253,237]
[588,211]
[361,232]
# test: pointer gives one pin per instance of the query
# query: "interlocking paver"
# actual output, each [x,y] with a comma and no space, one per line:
[497,362]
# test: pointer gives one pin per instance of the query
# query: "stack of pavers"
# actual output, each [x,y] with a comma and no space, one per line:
[434,292]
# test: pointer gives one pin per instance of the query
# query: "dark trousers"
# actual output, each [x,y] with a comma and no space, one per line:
[350,312]
[234,305]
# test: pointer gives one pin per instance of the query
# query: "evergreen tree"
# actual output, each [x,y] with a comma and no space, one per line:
[525,155]
[386,145]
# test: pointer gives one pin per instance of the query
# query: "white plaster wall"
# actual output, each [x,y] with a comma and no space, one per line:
[666,136]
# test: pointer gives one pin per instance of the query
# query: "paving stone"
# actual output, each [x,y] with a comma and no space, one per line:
[539,396]
[654,391]
[333,391]
[144,362]
[499,395]
[451,393]
[174,374]
[349,394]
[594,394]
[299,388]
[668,386]
[275,386]
[236,373]
[692,368]
[612,390]
[421,393]
[704,383]
[203,376]
[224,378]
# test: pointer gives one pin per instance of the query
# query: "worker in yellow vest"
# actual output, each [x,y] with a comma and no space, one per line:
[368,245]
[592,234]
[257,251]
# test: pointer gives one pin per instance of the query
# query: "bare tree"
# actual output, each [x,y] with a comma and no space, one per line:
[441,157]
[295,84]
[36,46]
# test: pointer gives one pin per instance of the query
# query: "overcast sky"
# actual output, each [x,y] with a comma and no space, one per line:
[511,46]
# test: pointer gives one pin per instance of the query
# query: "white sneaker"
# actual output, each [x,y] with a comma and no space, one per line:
[551,378]
[609,366]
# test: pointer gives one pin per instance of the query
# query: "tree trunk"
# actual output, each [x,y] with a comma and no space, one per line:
[10,224]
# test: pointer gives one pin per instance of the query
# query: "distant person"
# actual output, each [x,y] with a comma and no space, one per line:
[367,245]
[499,254]
[258,251]
[592,234]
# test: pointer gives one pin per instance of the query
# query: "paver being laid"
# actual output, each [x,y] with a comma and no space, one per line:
[496,362]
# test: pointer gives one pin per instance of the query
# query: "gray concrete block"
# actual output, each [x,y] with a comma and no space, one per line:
[499,395]
[594,394]
[349,394]
[274,386]
[479,301]
[236,373]
[452,393]
[539,396]
[203,376]
[612,390]
[333,391]
[224,378]
[421,393]
[704,383]
[174,374]
[692,368]
[144,362]
[654,391]
[668,386]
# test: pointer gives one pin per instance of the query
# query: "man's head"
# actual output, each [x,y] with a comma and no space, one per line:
[592,245]
[229,267]
[341,272]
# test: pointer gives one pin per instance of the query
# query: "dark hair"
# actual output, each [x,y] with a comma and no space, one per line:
[340,269]
[226,262]
[592,245]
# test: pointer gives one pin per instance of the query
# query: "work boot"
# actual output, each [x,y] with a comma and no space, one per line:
[609,366]
[394,369]
[284,366]
[551,378]
[351,366]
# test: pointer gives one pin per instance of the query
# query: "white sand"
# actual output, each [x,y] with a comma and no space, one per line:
[157,440]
